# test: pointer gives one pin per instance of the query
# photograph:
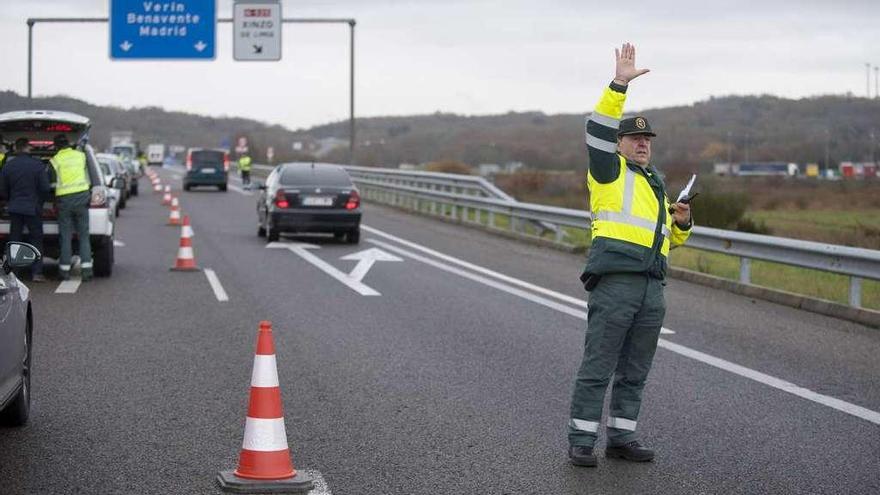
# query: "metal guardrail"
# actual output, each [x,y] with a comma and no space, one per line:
[457,196]
[857,263]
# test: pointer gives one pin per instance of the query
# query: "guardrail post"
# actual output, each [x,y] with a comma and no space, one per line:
[433,207]
[745,270]
[855,292]
[560,234]
[454,212]
[491,219]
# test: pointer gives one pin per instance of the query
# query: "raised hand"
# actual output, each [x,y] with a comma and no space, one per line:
[626,64]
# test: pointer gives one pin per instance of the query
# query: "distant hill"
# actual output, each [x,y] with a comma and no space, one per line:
[690,137]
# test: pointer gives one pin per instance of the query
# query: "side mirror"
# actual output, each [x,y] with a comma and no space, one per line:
[19,255]
[260,185]
[118,183]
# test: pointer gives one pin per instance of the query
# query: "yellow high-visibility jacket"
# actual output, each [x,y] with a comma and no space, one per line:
[71,173]
[632,231]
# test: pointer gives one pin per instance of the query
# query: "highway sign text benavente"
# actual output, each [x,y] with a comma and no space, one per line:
[162,30]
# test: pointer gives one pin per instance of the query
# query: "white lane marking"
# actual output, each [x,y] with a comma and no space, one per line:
[365,260]
[774,382]
[118,243]
[69,286]
[515,281]
[300,249]
[216,285]
[757,376]
[239,190]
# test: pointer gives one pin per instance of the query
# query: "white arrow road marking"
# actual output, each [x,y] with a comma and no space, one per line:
[219,293]
[301,250]
[126,46]
[118,243]
[366,259]
[771,381]
[239,190]
[200,46]
[69,286]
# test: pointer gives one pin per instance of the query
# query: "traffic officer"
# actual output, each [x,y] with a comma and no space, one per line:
[2,152]
[73,194]
[625,271]
[244,166]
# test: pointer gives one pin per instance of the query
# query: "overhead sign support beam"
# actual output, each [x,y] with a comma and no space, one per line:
[351,24]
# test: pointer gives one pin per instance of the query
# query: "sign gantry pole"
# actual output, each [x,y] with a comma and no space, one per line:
[351,24]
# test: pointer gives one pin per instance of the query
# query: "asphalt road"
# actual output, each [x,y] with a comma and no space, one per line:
[453,379]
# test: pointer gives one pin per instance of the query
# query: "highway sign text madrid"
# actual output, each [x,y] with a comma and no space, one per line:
[153,29]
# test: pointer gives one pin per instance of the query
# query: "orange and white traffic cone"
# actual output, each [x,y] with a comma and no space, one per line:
[174,214]
[186,261]
[166,199]
[264,464]
[157,186]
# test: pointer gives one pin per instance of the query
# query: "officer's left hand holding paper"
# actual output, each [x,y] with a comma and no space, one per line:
[681,210]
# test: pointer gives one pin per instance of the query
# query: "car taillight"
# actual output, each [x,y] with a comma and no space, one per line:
[189,162]
[226,164]
[354,200]
[99,198]
[281,199]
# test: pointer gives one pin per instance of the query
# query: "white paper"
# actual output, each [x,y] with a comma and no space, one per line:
[686,192]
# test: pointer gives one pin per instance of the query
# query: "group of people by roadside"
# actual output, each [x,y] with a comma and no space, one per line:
[26,184]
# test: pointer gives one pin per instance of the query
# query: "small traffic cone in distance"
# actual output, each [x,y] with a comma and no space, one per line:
[157,186]
[186,260]
[264,464]
[166,199]
[174,215]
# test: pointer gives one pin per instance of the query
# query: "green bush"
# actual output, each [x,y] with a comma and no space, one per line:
[721,210]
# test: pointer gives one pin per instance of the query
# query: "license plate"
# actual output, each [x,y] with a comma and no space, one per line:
[208,170]
[317,201]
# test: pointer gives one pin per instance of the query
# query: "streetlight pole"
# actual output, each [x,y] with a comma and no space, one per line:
[876,76]
[868,79]
[729,148]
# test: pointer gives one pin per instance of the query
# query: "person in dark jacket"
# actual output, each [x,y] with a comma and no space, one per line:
[24,181]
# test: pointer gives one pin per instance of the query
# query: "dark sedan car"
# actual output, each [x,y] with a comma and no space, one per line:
[309,197]
[16,325]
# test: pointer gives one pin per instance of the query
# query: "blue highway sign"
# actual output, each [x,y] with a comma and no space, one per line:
[150,29]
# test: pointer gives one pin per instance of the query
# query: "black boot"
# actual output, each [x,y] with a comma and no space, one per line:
[582,456]
[632,451]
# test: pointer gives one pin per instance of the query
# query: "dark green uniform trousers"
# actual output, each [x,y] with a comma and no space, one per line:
[626,312]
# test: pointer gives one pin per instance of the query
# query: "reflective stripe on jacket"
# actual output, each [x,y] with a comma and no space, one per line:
[70,172]
[631,230]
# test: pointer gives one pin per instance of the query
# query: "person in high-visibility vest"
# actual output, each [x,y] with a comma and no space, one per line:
[632,233]
[73,195]
[2,152]
[244,167]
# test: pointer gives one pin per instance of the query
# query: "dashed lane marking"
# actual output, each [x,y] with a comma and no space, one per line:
[771,381]
[118,243]
[219,293]
[69,286]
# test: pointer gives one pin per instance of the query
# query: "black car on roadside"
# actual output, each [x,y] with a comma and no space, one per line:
[308,197]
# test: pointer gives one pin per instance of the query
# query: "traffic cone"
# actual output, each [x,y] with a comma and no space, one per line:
[157,186]
[264,464]
[174,214]
[186,261]
[166,199]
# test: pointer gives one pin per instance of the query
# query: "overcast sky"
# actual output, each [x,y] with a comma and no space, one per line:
[467,57]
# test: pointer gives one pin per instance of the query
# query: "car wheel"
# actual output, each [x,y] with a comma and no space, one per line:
[103,257]
[186,187]
[122,204]
[354,236]
[134,189]
[222,187]
[339,236]
[261,231]
[17,412]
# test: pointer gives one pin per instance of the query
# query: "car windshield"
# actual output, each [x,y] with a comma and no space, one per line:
[106,166]
[208,157]
[315,176]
